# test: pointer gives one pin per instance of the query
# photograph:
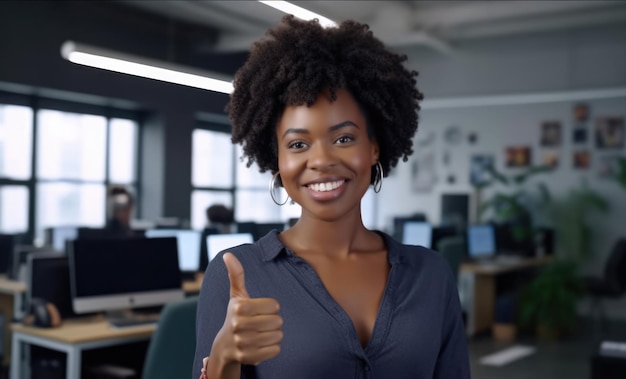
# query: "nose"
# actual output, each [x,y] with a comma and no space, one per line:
[321,157]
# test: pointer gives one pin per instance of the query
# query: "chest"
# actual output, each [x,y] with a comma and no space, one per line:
[358,288]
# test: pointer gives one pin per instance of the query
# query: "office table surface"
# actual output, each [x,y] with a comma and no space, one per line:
[193,286]
[88,329]
[11,287]
[497,268]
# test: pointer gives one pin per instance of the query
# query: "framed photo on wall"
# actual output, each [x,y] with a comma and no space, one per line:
[609,132]
[581,159]
[550,158]
[479,165]
[551,133]
[517,156]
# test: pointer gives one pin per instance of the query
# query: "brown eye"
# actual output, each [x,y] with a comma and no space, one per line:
[344,139]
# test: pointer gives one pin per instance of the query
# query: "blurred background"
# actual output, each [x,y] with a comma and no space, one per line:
[522,128]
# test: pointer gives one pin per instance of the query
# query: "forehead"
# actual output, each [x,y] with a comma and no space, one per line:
[323,112]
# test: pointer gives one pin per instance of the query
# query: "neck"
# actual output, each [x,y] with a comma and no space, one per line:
[335,239]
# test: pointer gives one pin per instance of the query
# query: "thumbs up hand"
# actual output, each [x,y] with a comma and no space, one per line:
[252,330]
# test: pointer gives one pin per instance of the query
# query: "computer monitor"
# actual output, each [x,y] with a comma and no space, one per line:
[188,242]
[61,234]
[218,242]
[417,233]
[48,278]
[262,229]
[115,274]
[398,224]
[7,245]
[481,241]
[19,261]
[441,232]
[455,210]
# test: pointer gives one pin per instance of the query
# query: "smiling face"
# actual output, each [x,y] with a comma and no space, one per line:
[325,156]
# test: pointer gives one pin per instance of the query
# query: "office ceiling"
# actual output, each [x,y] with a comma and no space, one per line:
[403,24]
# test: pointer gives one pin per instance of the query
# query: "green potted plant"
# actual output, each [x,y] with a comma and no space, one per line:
[512,206]
[548,303]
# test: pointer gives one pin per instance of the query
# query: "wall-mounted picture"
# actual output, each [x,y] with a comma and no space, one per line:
[517,156]
[609,132]
[581,159]
[423,176]
[550,158]
[550,133]
[479,164]
[581,112]
[608,166]
[579,133]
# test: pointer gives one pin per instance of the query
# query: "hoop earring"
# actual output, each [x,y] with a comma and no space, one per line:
[273,187]
[378,178]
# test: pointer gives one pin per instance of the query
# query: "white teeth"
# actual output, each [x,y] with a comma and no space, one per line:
[324,187]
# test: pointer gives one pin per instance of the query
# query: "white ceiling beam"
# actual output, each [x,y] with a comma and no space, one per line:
[474,12]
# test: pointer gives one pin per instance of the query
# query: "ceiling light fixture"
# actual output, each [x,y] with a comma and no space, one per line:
[144,67]
[305,14]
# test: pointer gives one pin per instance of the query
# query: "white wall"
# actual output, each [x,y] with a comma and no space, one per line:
[595,58]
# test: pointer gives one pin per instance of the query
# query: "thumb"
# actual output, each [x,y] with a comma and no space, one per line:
[235,276]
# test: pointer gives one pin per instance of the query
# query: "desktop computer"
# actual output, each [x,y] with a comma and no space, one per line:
[109,275]
[481,242]
[417,233]
[188,242]
[219,242]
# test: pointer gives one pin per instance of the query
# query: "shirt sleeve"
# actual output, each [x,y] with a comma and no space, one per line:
[212,305]
[453,359]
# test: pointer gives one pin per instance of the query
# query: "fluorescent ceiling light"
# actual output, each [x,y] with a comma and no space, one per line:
[305,14]
[144,67]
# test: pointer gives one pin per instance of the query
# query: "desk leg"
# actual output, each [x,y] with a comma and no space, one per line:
[16,362]
[7,307]
[484,302]
[73,363]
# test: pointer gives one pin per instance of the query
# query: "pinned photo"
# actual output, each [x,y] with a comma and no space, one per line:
[610,132]
[517,156]
[551,133]
[581,159]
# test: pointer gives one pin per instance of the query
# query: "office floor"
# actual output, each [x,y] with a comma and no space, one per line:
[570,358]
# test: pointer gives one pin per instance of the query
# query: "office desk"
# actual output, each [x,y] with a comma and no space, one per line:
[73,337]
[11,303]
[192,287]
[477,286]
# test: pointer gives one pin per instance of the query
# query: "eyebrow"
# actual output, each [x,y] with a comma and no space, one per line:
[331,128]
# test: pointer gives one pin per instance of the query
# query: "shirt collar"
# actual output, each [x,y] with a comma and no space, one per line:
[272,247]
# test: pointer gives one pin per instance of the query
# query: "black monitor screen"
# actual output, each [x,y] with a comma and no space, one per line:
[120,266]
[7,244]
[49,279]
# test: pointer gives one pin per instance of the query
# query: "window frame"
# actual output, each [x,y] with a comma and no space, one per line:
[99,107]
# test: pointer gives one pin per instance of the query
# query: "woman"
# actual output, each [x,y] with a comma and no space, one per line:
[329,112]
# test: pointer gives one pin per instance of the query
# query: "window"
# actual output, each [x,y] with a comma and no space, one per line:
[16,137]
[211,173]
[72,174]
[76,157]
[13,209]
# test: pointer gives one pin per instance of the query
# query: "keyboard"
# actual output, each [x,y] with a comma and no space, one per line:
[134,320]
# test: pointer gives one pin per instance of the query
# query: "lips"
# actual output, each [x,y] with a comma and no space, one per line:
[326,186]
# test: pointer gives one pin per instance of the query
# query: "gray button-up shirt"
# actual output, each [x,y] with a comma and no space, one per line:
[418,334]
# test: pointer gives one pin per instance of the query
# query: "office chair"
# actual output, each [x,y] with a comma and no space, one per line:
[612,284]
[172,346]
[453,250]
